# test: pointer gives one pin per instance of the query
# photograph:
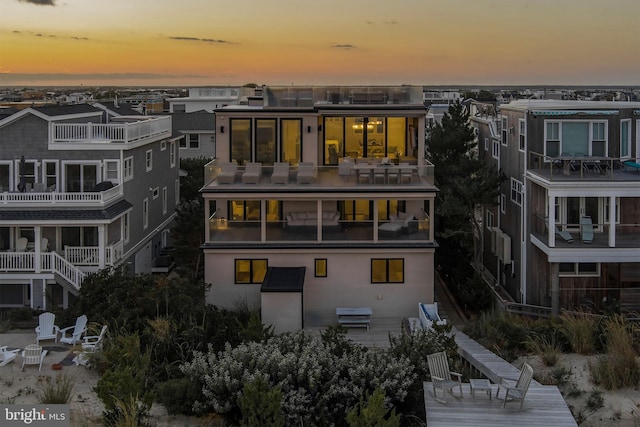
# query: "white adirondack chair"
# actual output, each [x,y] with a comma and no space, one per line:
[516,389]
[46,329]
[93,343]
[441,376]
[75,332]
[7,356]
[33,354]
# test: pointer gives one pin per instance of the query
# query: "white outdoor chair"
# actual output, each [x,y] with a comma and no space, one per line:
[441,375]
[33,354]
[75,332]
[516,389]
[46,329]
[7,356]
[93,343]
[21,244]
[280,173]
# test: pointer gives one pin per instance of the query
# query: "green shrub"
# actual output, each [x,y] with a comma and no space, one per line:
[177,395]
[546,347]
[261,405]
[371,411]
[56,392]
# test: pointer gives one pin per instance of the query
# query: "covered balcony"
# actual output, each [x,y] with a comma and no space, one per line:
[567,167]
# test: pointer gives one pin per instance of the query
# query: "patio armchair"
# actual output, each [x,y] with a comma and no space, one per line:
[21,244]
[227,173]
[441,376]
[33,354]
[93,343]
[74,332]
[306,172]
[7,356]
[516,389]
[46,329]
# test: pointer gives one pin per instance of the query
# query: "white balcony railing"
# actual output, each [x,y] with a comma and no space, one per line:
[110,132]
[49,262]
[53,199]
[88,256]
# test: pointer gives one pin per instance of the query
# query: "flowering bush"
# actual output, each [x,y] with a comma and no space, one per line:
[319,384]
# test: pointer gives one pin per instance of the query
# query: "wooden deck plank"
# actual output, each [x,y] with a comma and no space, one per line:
[543,405]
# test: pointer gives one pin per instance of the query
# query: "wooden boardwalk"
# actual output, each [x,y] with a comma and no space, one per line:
[543,405]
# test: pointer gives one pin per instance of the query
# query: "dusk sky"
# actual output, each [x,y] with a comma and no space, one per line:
[305,42]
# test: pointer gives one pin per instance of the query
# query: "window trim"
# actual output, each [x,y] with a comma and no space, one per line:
[317,262]
[387,260]
[172,154]
[628,141]
[495,149]
[126,227]
[503,203]
[489,219]
[251,266]
[145,213]
[517,191]
[164,200]
[127,171]
[163,145]
[148,160]
[155,192]
[576,270]
[504,130]
[522,134]
[105,171]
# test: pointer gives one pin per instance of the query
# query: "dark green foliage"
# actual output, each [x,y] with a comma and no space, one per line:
[191,184]
[187,235]
[177,395]
[372,412]
[465,182]
[261,405]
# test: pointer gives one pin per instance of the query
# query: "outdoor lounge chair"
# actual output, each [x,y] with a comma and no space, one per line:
[586,229]
[21,244]
[75,332]
[93,343]
[227,173]
[306,172]
[252,173]
[566,236]
[46,329]
[7,356]
[280,173]
[516,389]
[33,354]
[441,375]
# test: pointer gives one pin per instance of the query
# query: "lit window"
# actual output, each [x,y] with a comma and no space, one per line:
[250,270]
[321,267]
[387,270]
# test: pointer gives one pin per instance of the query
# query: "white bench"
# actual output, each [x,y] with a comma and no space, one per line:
[354,316]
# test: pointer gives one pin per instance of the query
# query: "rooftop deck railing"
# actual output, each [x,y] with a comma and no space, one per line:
[582,168]
[110,132]
[287,96]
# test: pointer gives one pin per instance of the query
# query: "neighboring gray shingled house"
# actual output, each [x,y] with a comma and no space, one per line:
[198,134]
[81,188]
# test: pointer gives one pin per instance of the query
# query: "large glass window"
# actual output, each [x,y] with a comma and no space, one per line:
[598,139]
[245,210]
[354,136]
[80,178]
[552,139]
[387,270]
[376,141]
[334,140]
[250,270]
[241,140]
[396,137]
[575,138]
[291,141]
[5,176]
[355,210]
[266,141]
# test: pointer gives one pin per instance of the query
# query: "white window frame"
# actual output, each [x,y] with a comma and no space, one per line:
[148,160]
[155,192]
[172,154]
[145,213]
[115,168]
[55,177]
[164,200]
[576,270]
[592,136]
[177,192]
[194,145]
[126,227]
[127,169]
[504,130]
[489,219]
[522,134]
[503,203]
[183,142]
[517,192]
[628,137]
[486,144]
[548,139]
[495,149]
[605,209]
[163,145]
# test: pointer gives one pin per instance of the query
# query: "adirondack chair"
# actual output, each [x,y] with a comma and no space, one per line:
[33,354]
[75,332]
[441,376]
[93,343]
[7,356]
[516,389]
[46,329]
